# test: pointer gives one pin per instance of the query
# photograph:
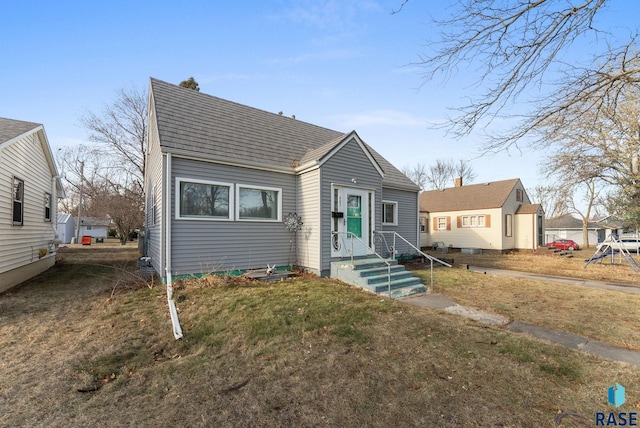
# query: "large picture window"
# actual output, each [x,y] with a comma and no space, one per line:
[259,203]
[208,200]
[18,201]
[389,212]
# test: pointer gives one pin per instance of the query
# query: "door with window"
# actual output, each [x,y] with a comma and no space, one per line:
[352,221]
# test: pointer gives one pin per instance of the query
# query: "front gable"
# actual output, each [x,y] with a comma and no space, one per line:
[353,139]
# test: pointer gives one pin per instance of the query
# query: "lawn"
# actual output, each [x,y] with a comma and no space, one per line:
[602,315]
[88,344]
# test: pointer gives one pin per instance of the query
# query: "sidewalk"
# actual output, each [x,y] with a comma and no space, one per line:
[568,340]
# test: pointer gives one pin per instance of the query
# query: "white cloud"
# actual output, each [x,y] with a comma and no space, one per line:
[383,117]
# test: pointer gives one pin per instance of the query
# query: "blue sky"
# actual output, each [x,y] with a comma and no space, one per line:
[343,65]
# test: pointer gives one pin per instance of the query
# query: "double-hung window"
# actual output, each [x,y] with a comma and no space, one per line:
[18,202]
[47,206]
[390,213]
[204,200]
[256,203]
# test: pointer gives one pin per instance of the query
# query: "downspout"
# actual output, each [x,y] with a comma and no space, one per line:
[53,212]
[177,330]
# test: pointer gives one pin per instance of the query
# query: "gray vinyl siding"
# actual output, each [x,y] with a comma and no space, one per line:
[309,209]
[202,246]
[407,218]
[154,184]
[348,163]
[20,245]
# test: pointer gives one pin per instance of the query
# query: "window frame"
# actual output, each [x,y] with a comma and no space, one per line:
[394,204]
[20,201]
[47,206]
[440,226]
[178,199]
[278,190]
[424,224]
[508,225]
[473,221]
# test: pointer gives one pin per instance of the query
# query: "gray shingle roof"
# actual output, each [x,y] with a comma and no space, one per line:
[567,221]
[470,197]
[209,126]
[10,128]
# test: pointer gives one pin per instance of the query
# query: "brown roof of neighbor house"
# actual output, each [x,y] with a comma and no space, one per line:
[471,197]
[205,125]
[528,209]
[10,129]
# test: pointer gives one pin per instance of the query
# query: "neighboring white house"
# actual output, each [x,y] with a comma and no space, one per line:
[66,228]
[568,227]
[29,191]
[491,216]
[94,227]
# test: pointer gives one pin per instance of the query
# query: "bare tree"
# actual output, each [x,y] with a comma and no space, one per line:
[552,199]
[120,133]
[522,44]
[417,174]
[441,174]
[601,145]
[190,83]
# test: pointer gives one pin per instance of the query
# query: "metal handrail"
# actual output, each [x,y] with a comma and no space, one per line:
[423,254]
[353,235]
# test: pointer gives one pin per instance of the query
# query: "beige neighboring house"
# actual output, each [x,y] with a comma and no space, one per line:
[29,191]
[495,216]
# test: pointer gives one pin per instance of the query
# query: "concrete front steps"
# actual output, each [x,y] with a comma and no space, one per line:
[371,274]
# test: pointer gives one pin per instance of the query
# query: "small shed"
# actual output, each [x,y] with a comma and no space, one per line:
[66,228]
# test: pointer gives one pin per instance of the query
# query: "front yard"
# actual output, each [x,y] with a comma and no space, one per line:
[87,344]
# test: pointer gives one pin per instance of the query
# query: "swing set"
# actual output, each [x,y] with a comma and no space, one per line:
[608,249]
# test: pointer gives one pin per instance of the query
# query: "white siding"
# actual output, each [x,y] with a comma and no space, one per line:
[488,237]
[309,209]
[20,245]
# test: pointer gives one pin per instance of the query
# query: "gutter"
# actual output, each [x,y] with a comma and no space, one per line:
[177,330]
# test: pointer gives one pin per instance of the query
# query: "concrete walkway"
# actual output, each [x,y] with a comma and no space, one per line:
[568,340]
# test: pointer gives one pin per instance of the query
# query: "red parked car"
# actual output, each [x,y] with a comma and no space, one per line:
[563,244]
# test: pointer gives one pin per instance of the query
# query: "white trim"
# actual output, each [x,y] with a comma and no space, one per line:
[261,220]
[395,213]
[180,180]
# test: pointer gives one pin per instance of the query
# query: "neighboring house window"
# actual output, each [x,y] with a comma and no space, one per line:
[47,207]
[423,225]
[389,213]
[154,206]
[18,201]
[442,223]
[89,227]
[472,221]
[508,226]
[258,203]
[519,195]
[207,200]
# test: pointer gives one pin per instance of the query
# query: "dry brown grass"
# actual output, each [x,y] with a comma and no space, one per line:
[607,316]
[302,352]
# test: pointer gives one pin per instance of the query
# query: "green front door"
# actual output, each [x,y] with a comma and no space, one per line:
[354,215]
